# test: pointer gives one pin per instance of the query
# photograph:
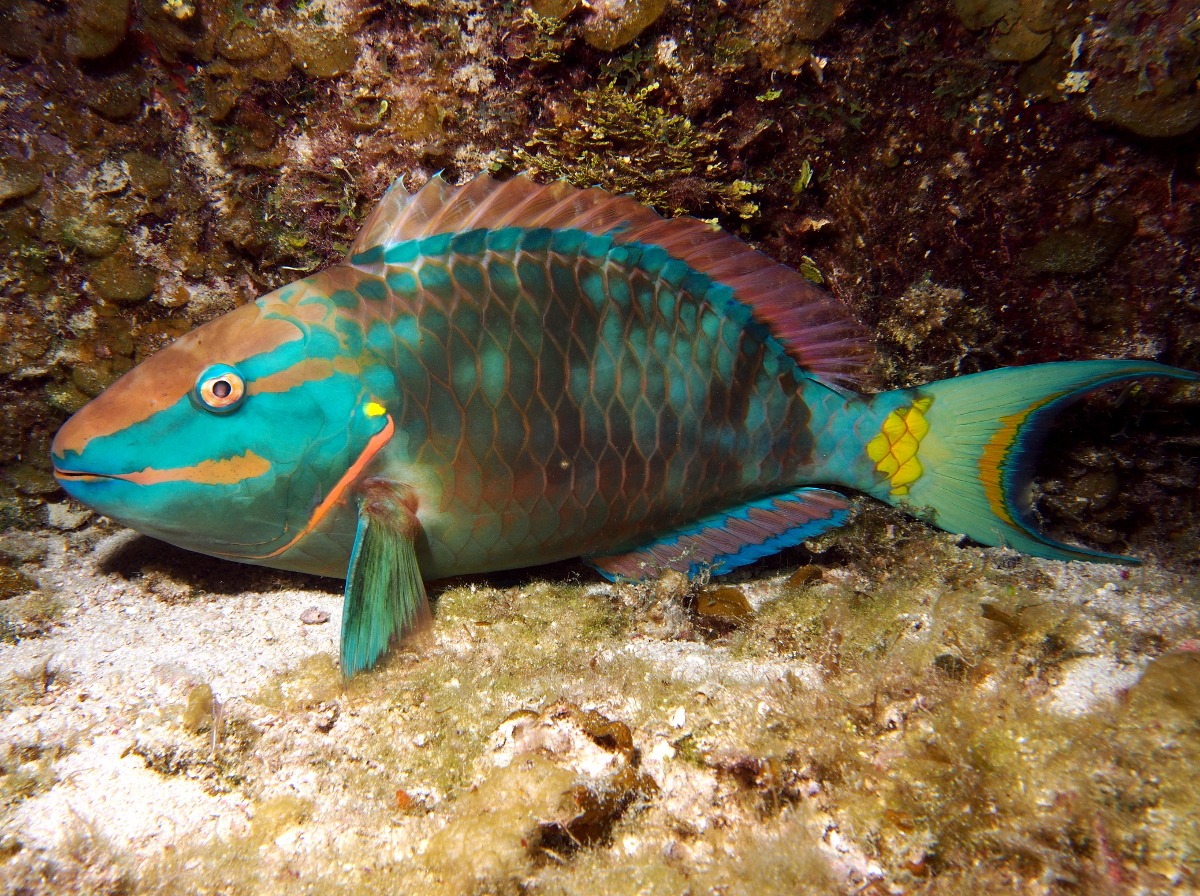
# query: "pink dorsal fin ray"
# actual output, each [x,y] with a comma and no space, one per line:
[817,331]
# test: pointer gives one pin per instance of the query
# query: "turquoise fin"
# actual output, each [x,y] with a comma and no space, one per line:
[385,596]
[725,541]
[984,433]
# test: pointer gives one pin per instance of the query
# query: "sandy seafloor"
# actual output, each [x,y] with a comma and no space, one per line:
[420,778]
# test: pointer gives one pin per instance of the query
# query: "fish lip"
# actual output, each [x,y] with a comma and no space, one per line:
[80,475]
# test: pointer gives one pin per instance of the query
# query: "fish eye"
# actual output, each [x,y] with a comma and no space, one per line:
[220,389]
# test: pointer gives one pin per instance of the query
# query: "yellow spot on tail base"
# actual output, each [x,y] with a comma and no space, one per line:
[894,449]
[375,409]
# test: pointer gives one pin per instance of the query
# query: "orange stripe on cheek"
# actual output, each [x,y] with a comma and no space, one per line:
[298,374]
[336,495]
[227,471]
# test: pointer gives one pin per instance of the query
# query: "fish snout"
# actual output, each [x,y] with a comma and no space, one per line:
[68,434]
[66,451]
[73,435]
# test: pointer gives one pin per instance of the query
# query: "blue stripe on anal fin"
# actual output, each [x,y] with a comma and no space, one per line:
[725,541]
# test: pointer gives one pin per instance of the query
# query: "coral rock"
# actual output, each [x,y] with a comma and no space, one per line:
[18,178]
[93,238]
[555,9]
[614,23]
[243,42]
[1019,44]
[97,27]
[554,781]
[114,98]
[321,53]
[1155,113]
[66,517]
[14,582]
[1078,250]
[147,175]
[120,278]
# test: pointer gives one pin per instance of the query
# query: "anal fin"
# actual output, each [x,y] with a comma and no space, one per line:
[385,595]
[724,541]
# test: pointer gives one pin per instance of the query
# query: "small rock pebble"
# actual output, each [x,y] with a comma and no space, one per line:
[314,616]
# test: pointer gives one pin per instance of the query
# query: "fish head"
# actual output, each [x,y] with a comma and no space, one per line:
[231,439]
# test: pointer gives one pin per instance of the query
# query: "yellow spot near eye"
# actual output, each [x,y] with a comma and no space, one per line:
[894,449]
[375,409]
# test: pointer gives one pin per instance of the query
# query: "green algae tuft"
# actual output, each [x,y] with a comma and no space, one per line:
[624,142]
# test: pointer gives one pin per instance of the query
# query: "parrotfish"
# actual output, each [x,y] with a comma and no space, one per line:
[505,374]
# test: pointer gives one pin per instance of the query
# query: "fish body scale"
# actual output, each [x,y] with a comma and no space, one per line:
[559,395]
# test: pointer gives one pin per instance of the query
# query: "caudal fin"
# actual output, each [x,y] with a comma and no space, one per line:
[965,448]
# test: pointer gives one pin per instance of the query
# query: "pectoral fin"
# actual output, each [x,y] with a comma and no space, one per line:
[385,596]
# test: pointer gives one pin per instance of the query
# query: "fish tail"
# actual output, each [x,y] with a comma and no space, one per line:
[960,453]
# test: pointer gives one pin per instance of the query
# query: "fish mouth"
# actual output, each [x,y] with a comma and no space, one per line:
[81,476]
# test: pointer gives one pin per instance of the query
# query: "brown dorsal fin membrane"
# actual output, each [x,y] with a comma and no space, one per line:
[816,330]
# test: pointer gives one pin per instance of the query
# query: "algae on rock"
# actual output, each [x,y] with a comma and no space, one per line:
[1133,63]
[611,24]
[624,142]
[97,27]
[782,31]
[18,178]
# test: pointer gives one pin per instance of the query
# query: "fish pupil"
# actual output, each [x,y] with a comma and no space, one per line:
[221,388]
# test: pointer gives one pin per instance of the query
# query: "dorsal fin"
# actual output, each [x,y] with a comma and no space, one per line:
[814,328]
